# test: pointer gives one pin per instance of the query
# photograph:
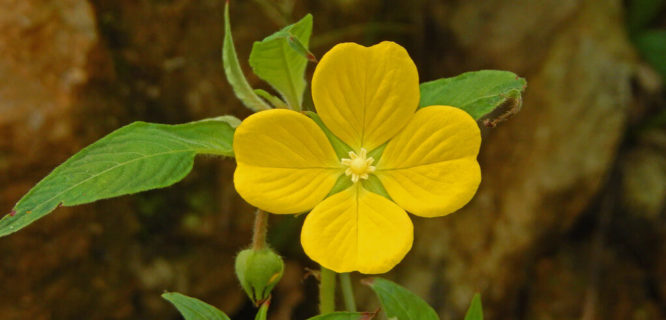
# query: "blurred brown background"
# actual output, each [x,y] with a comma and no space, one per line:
[569,221]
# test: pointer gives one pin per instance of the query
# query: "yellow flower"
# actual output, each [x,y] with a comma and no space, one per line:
[367,97]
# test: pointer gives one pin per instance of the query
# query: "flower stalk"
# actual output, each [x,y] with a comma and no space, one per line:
[347,292]
[260,230]
[326,291]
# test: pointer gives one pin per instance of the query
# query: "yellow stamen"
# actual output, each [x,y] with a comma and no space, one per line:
[359,166]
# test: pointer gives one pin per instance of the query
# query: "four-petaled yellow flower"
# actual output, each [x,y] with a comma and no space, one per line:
[367,97]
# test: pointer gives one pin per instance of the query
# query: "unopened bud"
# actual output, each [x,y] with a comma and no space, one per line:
[258,272]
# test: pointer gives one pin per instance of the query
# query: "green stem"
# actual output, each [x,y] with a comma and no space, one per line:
[260,230]
[326,291]
[347,292]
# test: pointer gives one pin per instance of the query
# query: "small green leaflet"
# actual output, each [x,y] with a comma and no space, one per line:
[137,157]
[400,303]
[345,316]
[275,101]
[280,59]
[234,72]
[194,309]
[475,311]
[479,92]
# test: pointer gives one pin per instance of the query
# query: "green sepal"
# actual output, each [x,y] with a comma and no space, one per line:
[234,73]
[192,308]
[138,157]
[342,183]
[375,185]
[475,311]
[281,58]
[377,153]
[400,303]
[263,310]
[341,149]
[479,93]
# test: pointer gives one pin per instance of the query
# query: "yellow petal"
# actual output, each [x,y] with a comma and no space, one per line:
[285,163]
[365,95]
[357,230]
[430,167]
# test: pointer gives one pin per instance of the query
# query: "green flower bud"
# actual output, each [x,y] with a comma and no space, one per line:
[258,272]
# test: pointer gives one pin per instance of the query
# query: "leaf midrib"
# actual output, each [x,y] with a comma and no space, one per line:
[192,150]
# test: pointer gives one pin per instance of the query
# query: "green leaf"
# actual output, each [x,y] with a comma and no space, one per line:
[398,302]
[641,12]
[475,311]
[345,316]
[263,311]
[194,309]
[137,157]
[280,59]
[234,72]
[479,92]
[652,45]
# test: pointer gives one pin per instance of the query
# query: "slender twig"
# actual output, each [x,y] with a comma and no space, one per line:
[327,291]
[347,292]
[260,230]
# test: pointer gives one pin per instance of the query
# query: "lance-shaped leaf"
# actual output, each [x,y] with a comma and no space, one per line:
[234,72]
[280,59]
[194,309]
[400,303]
[475,311]
[138,157]
[345,316]
[479,92]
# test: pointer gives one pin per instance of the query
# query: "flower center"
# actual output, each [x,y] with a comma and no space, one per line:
[359,166]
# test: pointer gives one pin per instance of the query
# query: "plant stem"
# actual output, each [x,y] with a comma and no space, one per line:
[326,291]
[347,292]
[260,230]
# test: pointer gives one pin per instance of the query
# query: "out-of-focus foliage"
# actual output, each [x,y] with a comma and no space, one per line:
[650,41]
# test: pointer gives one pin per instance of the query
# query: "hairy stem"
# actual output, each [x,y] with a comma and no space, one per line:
[347,292]
[327,291]
[260,230]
